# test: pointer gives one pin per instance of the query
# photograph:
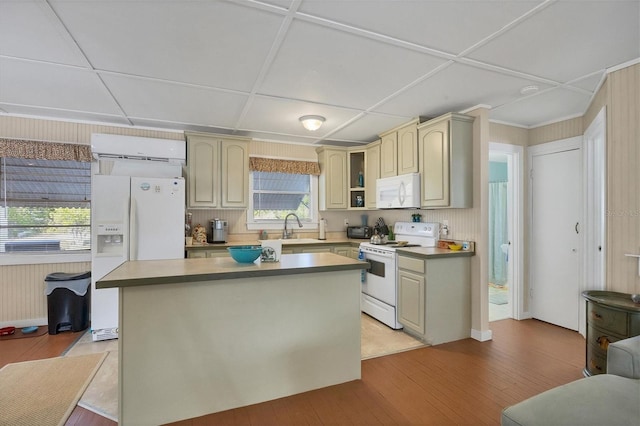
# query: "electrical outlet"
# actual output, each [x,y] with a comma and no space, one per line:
[445,222]
[346,223]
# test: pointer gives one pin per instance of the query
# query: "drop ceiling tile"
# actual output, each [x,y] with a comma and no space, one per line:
[280,116]
[449,26]
[456,88]
[368,127]
[543,108]
[285,4]
[59,114]
[324,65]
[589,83]
[178,103]
[569,39]
[212,43]
[45,85]
[29,29]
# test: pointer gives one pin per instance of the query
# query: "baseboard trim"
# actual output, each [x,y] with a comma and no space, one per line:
[481,336]
[25,323]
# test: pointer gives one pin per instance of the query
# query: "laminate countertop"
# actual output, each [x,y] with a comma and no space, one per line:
[433,252]
[289,242]
[176,271]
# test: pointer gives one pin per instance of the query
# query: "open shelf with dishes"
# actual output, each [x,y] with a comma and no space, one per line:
[356,164]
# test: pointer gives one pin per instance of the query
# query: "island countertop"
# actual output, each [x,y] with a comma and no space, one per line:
[152,272]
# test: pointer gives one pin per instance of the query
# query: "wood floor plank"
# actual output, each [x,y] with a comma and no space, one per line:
[463,382]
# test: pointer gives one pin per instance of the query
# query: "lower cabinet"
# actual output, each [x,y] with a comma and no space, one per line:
[194,254]
[434,298]
[325,249]
[411,296]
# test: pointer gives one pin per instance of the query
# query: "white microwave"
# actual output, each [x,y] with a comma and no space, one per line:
[398,192]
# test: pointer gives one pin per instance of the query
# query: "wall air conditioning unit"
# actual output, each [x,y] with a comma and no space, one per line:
[136,156]
[114,147]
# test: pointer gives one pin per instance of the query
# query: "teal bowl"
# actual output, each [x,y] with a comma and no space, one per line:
[245,254]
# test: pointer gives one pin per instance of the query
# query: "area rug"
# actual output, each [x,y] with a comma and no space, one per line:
[498,296]
[44,392]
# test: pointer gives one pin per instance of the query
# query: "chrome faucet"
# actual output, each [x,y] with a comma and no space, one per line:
[287,234]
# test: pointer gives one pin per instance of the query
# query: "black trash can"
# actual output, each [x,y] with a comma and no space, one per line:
[68,301]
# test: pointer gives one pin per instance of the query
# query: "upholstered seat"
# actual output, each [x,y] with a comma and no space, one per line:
[606,399]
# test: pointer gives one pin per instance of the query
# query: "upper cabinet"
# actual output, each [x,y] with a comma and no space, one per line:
[217,171]
[445,146]
[389,155]
[357,180]
[372,172]
[399,150]
[332,184]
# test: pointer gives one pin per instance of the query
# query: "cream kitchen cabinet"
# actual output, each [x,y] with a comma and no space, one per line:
[357,182]
[217,171]
[389,154]
[411,287]
[434,297]
[372,172]
[445,147]
[333,181]
[399,150]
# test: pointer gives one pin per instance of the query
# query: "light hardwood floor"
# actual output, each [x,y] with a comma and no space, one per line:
[464,382]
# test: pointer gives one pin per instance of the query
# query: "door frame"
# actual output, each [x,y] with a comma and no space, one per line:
[576,142]
[515,154]
[595,204]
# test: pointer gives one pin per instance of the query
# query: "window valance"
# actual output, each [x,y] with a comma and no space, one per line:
[17,148]
[259,164]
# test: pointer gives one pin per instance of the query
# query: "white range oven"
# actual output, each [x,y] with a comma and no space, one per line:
[380,285]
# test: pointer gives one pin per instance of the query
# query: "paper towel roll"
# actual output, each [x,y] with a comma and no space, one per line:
[322,234]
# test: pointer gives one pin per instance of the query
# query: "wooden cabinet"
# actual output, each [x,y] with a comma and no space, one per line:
[434,298]
[411,289]
[611,317]
[408,149]
[372,172]
[445,147]
[389,154]
[332,184]
[217,171]
[399,150]
[342,250]
[200,253]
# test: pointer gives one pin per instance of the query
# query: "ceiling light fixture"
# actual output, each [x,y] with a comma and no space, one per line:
[529,90]
[312,122]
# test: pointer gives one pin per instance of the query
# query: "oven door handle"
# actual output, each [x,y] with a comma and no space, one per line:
[373,254]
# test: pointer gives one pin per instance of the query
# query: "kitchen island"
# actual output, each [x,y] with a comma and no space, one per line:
[198,336]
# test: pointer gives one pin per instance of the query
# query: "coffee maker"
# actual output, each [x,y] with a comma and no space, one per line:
[217,231]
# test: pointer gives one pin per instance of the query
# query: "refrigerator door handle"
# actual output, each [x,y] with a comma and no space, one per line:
[133,231]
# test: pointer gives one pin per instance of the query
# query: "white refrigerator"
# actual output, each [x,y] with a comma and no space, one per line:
[132,218]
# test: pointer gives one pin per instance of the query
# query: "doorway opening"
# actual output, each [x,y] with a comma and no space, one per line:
[505,230]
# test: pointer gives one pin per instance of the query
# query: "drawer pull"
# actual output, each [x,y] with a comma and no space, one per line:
[596,315]
[595,366]
[603,342]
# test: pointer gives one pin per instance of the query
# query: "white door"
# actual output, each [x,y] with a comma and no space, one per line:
[556,216]
[157,218]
